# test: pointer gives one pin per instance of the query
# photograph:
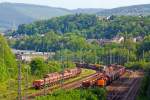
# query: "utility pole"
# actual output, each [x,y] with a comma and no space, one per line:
[128,58]
[81,55]
[95,57]
[19,82]
[26,84]
[117,59]
[143,55]
[42,43]
[44,85]
[110,57]
[62,65]
[26,75]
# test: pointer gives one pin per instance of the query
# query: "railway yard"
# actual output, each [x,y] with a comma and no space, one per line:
[125,88]
[120,83]
[70,85]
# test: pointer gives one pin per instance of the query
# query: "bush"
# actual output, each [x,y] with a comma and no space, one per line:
[8,66]
[38,66]
[138,65]
[82,94]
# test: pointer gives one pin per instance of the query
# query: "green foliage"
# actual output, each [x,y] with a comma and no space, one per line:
[144,93]
[90,26]
[7,61]
[88,94]
[101,55]
[55,66]
[144,47]
[38,66]
[64,24]
[53,42]
[138,65]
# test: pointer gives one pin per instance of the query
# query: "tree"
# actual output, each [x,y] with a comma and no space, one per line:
[144,47]
[38,67]
[7,61]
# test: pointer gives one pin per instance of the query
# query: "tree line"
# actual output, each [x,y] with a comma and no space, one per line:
[90,26]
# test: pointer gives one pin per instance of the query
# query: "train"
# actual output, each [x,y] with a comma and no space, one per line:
[56,77]
[97,67]
[105,76]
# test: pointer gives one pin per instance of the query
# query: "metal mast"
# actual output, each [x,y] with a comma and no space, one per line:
[19,82]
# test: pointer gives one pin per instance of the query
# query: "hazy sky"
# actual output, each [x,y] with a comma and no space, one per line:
[72,4]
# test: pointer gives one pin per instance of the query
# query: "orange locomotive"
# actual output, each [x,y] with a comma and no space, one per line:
[91,82]
[108,75]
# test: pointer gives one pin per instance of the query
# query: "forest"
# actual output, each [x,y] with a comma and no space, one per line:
[89,26]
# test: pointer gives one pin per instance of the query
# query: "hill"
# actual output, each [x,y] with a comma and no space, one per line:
[24,13]
[129,10]
[18,13]
[90,26]
[87,10]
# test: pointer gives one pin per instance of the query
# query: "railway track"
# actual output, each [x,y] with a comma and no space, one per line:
[125,90]
[131,94]
[115,89]
[70,85]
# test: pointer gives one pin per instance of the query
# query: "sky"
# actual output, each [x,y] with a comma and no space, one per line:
[73,4]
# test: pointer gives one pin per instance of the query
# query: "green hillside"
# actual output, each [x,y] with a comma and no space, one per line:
[129,10]
[7,60]
[90,26]
[12,13]
[18,13]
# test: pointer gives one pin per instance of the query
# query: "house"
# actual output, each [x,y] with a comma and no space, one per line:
[118,39]
[138,39]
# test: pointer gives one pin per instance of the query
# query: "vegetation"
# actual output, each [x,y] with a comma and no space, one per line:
[136,10]
[145,89]
[90,26]
[52,42]
[67,37]
[88,94]
[24,13]
[7,61]
[40,67]
[74,47]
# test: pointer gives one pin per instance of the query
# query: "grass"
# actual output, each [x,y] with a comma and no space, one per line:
[8,89]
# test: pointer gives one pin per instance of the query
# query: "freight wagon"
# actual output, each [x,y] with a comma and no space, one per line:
[107,76]
[97,67]
[55,78]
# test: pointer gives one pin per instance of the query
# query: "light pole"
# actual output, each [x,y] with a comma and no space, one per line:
[42,43]
[19,81]
[44,85]
[110,57]
[26,83]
